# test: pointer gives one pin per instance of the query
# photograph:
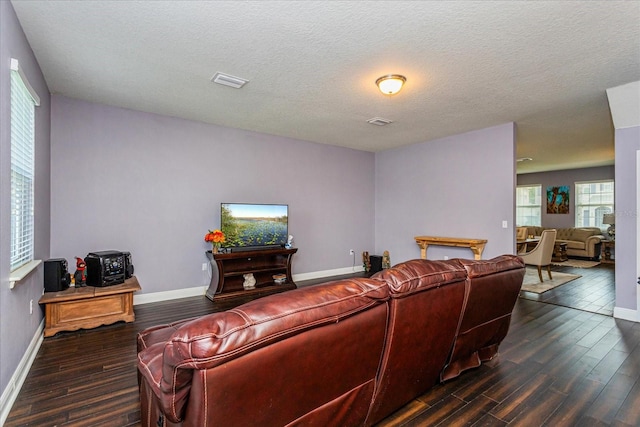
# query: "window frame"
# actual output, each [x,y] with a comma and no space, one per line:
[601,207]
[23,102]
[519,206]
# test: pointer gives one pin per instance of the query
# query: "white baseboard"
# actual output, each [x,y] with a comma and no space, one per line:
[10,393]
[626,314]
[169,295]
[327,273]
[200,290]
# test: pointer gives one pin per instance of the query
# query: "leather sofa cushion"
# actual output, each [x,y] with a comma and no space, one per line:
[486,267]
[420,274]
[217,338]
[494,286]
[213,339]
[425,305]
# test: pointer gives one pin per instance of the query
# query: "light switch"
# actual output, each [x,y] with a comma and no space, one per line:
[504,224]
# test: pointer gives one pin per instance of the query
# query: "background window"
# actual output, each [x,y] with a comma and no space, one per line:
[23,102]
[529,205]
[593,199]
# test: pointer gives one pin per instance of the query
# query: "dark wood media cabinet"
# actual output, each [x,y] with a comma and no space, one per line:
[228,270]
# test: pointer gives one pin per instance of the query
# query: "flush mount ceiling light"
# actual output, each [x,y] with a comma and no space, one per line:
[391,84]
[524,159]
[228,80]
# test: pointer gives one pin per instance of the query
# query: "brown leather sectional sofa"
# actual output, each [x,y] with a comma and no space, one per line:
[342,353]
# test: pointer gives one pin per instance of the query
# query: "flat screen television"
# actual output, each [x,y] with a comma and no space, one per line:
[254,225]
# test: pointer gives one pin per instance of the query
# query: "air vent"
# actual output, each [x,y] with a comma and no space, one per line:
[227,80]
[379,121]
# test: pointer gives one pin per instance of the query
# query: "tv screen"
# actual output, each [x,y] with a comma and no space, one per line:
[247,225]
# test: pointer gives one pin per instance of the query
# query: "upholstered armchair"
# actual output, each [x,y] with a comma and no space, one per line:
[540,256]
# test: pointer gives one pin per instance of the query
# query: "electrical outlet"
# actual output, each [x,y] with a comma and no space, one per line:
[204,266]
[352,252]
[30,306]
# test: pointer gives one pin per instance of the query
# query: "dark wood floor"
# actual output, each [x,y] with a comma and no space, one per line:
[594,291]
[557,367]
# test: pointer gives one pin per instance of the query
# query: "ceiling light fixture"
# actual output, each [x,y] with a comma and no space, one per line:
[391,83]
[524,159]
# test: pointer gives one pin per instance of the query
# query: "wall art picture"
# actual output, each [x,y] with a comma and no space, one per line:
[558,200]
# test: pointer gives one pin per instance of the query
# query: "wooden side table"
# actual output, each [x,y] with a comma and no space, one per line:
[88,307]
[608,252]
[559,252]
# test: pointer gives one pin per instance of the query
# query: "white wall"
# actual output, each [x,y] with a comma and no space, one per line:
[460,186]
[17,325]
[624,102]
[564,177]
[152,185]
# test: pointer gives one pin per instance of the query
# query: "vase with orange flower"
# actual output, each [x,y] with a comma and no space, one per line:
[216,238]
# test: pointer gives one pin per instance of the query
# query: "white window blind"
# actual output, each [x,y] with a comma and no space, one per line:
[23,103]
[593,200]
[529,205]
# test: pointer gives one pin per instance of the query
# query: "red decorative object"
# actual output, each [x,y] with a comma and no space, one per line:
[80,276]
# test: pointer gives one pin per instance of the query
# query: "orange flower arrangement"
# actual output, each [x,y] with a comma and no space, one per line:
[216,238]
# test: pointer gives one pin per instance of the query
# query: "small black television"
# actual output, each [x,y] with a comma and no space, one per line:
[254,225]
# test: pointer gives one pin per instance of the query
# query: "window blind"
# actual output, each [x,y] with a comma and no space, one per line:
[529,205]
[23,102]
[593,200]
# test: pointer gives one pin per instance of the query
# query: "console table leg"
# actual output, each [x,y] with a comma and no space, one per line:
[423,250]
[477,251]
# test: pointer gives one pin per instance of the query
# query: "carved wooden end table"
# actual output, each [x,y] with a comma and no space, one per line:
[88,307]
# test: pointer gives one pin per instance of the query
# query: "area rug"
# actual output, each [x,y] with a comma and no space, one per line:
[532,283]
[579,263]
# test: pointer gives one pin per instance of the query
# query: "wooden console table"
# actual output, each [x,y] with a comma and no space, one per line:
[476,245]
[88,307]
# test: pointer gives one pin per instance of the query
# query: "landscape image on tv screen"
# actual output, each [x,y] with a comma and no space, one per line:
[248,225]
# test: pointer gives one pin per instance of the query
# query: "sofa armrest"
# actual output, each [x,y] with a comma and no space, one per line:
[592,245]
[158,333]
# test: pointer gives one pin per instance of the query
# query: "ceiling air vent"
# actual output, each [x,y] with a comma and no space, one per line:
[379,121]
[227,80]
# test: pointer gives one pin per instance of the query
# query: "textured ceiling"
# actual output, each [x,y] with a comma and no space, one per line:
[311,66]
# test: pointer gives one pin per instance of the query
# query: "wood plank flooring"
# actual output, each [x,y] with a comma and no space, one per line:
[594,291]
[557,367]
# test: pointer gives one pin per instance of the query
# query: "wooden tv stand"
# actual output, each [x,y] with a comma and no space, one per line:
[228,270]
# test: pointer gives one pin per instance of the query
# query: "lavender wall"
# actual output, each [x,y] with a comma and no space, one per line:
[627,193]
[153,185]
[17,326]
[460,186]
[565,177]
